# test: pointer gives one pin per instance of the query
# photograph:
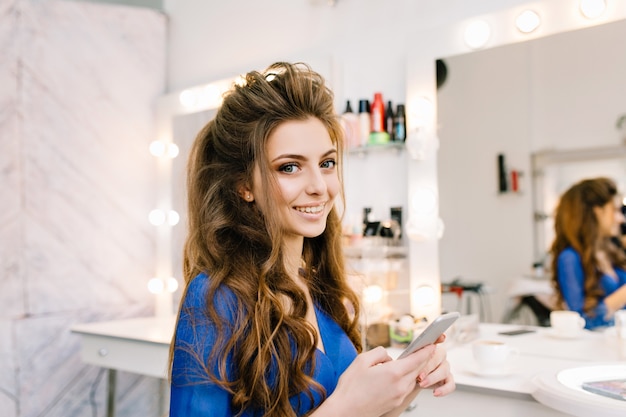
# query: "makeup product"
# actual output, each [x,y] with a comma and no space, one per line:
[389,120]
[350,123]
[399,131]
[502,182]
[377,113]
[364,122]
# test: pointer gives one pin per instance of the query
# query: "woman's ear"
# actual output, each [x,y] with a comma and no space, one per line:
[597,211]
[246,194]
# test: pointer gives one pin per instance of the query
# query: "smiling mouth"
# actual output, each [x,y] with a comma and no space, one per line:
[311,210]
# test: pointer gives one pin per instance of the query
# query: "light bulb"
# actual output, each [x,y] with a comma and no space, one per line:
[527,21]
[477,34]
[592,8]
[173,217]
[156,217]
[421,144]
[423,201]
[372,294]
[424,296]
[188,98]
[172,150]
[156,285]
[172,284]
[441,227]
[157,148]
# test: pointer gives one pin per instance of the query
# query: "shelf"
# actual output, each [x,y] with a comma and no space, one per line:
[544,158]
[364,150]
[381,252]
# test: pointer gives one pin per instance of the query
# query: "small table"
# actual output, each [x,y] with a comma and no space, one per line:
[138,345]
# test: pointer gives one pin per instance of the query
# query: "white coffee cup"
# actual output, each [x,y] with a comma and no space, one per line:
[492,354]
[566,323]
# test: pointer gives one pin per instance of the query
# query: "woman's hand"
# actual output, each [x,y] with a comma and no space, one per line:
[375,384]
[436,374]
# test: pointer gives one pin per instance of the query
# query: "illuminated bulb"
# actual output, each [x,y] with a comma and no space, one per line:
[157,148]
[421,144]
[441,227]
[373,294]
[172,284]
[477,34]
[420,230]
[156,286]
[188,98]
[422,111]
[173,217]
[423,201]
[424,296]
[527,21]
[592,8]
[172,150]
[156,217]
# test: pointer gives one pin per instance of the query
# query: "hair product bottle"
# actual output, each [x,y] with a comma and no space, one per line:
[399,130]
[389,120]
[364,121]
[350,122]
[377,112]
[378,135]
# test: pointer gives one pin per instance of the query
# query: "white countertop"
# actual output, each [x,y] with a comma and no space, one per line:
[141,345]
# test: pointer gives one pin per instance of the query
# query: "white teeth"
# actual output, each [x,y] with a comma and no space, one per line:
[315,209]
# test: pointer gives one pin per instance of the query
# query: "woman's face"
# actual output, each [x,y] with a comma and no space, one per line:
[609,218]
[304,161]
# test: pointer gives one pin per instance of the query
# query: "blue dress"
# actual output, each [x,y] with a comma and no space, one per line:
[571,279]
[193,395]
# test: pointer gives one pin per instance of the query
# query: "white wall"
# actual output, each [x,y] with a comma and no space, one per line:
[366,40]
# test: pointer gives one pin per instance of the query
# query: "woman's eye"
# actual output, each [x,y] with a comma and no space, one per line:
[288,168]
[329,163]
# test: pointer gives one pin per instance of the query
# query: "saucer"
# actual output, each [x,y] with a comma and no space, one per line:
[557,335]
[506,370]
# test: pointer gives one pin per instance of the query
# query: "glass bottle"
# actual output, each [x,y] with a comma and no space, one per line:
[389,120]
[400,124]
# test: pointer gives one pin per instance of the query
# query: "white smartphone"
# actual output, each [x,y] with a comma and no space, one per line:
[431,333]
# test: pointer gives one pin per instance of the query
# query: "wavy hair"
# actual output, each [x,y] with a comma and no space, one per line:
[240,248]
[576,225]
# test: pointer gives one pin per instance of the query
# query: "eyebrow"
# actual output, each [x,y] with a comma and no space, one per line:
[300,157]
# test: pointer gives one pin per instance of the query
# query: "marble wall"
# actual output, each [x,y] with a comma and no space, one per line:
[78,83]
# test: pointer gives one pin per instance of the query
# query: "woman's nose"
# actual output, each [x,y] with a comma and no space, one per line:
[316,182]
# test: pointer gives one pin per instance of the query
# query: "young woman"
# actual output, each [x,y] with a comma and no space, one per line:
[589,269]
[268,325]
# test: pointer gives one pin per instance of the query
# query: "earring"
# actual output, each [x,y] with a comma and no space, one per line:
[248,197]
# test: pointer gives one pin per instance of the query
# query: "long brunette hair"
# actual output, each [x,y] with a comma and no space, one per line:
[240,248]
[576,226]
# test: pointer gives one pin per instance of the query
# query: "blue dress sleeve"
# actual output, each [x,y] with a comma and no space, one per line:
[192,393]
[571,279]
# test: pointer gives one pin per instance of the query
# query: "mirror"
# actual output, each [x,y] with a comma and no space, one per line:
[558,95]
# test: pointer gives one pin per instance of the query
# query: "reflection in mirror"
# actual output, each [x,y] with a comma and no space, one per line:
[545,96]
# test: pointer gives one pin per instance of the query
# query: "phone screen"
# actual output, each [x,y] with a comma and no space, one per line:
[431,333]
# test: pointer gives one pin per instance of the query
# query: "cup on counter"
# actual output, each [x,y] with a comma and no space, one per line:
[620,331]
[566,323]
[492,355]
